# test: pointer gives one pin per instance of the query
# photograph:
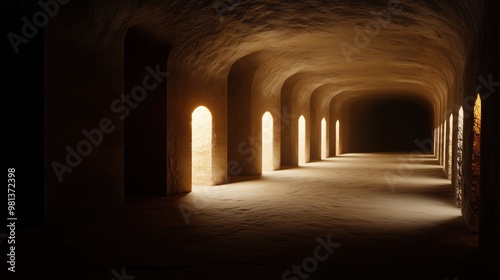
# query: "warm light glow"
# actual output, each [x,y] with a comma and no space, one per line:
[267,142]
[476,145]
[477,116]
[450,144]
[460,146]
[476,166]
[201,145]
[441,143]
[418,201]
[302,140]
[337,138]
[323,139]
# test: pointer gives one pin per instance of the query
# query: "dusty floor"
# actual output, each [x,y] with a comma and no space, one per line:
[388,227]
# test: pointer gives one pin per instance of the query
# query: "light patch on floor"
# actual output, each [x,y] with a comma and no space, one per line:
[257,229]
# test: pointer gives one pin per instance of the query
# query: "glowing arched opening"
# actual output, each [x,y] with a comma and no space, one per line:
[302,140]
[450,144]
[476,165]
[441,143]
[337,138]
[323,139]
[267,142]
[460,147]
[201,146]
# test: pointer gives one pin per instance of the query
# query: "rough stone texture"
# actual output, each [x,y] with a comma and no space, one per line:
[459,181]
[470,204]
[285,57]
[476,167]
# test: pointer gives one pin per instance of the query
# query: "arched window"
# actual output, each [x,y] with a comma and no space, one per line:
[323,139]
[267,142]
[450,144]
[302,140]
[337,138]
[201,145]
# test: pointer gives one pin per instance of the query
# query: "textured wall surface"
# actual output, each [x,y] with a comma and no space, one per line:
[240,60]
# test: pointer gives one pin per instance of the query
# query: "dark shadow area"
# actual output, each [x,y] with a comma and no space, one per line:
[389,124]
[23,80]
[235,179]
[145,114]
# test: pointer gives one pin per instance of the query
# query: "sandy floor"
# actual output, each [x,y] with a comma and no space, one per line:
[399,226]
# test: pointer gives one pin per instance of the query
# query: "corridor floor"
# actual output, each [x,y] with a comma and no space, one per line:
[392,216]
